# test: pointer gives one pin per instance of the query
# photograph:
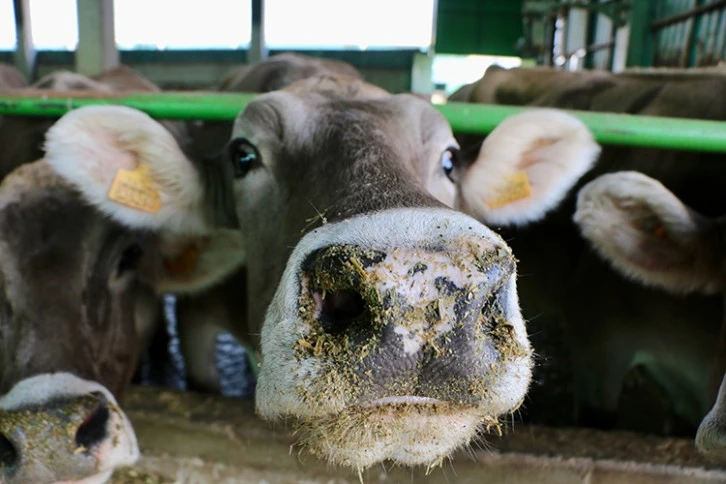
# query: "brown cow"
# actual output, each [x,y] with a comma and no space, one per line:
[607,324]
[75,288]
[80,297]
[11,78]
[388,323]
[281,70]
[22,137]
[650,236]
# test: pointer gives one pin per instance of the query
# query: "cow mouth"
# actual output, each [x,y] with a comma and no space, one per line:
[406,430]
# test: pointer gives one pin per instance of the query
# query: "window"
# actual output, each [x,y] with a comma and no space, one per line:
[348,24]
[7,25]
[453,71]
[54,24]
[177,24]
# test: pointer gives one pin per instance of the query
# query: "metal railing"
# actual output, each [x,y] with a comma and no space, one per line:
[608,128]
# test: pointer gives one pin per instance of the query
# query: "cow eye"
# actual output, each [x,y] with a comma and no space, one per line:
[448,161]
[129,259]
[243,156]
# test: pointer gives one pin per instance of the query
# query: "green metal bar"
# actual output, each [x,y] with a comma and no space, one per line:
[608,128]
[168,105]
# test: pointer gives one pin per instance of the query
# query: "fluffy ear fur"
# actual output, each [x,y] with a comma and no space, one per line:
[129,166]
[526,166]
[648,234]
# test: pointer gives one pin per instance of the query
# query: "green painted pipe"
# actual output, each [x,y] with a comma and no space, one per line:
[167,105]
[608,128]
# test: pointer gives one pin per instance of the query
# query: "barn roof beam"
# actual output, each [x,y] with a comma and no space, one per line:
[96,51]
[258,48]
[25,51]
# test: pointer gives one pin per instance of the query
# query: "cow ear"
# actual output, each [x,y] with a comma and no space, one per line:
[646,233]
[129,166]
[526,166]
[193,264]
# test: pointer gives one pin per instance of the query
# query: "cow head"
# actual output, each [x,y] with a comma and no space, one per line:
[394,331]
[76,286]
[389,323]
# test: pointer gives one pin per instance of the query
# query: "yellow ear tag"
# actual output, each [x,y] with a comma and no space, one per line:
[516,187]
[136,189]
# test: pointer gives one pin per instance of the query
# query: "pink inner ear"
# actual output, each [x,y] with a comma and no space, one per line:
[529,157]
[660,253]
[109,160]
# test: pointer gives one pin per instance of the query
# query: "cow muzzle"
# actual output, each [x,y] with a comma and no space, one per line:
[404,348]
[58,428]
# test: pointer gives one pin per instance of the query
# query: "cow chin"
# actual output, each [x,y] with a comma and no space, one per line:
[402,430]
[410,386]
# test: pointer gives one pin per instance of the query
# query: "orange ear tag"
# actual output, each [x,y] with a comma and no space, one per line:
[136,189]
[516,187]
[185,263]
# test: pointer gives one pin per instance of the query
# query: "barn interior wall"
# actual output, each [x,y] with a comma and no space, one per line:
[391,70]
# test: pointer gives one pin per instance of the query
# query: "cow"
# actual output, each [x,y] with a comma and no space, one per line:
[79,301]
[281,70]
[646,233]
[22,138]
[593,326]
[387,322]
[74,290]
[522,86]
[11,78]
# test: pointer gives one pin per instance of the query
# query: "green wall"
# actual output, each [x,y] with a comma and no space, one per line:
[478,26]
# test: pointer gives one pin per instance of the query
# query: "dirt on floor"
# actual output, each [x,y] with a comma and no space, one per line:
[186,437]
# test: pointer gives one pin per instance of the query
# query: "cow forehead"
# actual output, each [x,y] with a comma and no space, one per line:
[289,115]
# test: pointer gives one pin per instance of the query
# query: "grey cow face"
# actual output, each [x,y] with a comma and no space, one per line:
[380,308]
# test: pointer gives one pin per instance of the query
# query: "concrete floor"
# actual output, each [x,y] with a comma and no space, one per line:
[194,438]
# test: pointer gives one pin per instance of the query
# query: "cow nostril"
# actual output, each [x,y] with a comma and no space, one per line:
[94,429]
[8,453]
[489,305]
[338,309]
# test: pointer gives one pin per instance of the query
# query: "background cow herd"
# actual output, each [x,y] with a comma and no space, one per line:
[403,287]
